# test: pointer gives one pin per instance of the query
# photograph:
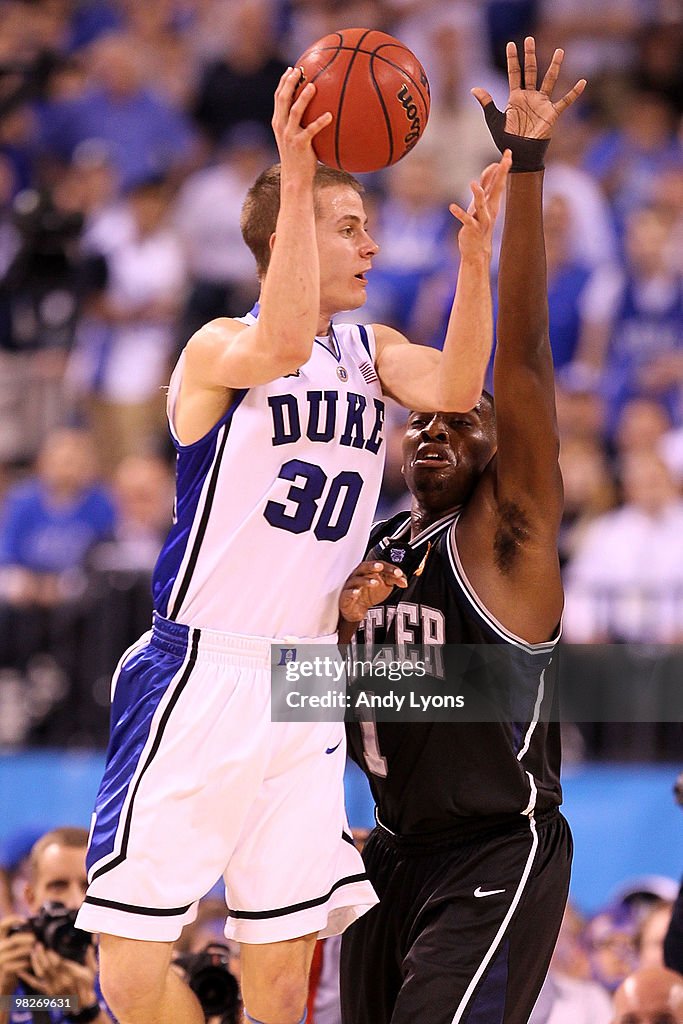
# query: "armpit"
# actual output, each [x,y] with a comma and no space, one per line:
[514,530]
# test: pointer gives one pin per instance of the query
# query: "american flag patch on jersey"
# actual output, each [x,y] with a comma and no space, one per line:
[368,371]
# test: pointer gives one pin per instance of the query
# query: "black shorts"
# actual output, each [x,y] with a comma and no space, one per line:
[464,931]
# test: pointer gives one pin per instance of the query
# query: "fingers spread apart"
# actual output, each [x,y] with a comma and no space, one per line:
[531,74]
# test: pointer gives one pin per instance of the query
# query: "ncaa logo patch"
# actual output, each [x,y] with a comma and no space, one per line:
[342,374]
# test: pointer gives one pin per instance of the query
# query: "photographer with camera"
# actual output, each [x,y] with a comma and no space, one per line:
[45,955]
[208,974]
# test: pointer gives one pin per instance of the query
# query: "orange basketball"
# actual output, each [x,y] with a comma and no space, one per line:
[377,92]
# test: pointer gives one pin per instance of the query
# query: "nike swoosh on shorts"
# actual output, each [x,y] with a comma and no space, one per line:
[479,892]
[331,750]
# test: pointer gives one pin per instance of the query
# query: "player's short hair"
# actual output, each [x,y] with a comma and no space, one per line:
[489,398]
[262,206]
[68,835]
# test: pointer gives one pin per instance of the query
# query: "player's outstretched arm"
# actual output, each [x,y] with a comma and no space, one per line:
[507,534]
[527,469]
[423,378]
[225,353]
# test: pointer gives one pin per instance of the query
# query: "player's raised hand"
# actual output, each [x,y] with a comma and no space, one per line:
[530,114]
[478,220]
[293,140]
[368,585]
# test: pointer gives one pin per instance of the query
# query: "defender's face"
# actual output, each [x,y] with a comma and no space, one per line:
[345,249]
[445,453]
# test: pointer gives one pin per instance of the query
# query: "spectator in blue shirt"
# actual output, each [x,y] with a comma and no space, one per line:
[567,279]
[51,520]
[144,132]
[633,320]
[628,160]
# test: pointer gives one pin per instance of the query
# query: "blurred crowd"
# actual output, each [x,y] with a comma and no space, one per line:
[594,956]
[129,134]
[620,966]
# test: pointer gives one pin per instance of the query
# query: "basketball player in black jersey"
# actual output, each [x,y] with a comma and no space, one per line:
[471,857]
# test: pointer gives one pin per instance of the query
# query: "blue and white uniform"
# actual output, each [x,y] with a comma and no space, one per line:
[273,509]
[275,504]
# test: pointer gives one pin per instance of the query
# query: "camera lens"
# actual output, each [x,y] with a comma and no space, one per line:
[215,989]
[209,977]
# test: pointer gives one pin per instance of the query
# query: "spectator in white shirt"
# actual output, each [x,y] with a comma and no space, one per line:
[625,581]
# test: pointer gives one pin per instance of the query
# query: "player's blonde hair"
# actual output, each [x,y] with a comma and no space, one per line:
[262,206]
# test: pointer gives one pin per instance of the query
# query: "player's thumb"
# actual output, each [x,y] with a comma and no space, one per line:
[482,95]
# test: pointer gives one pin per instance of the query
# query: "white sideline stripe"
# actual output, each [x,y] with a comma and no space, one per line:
[533,793]
[199,512]
[536,716]
[133,649]
[501,931]
[142,760]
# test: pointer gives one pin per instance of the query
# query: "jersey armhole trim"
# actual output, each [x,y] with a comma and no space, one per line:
[239,396]
[464,585]
[172,398]
[362,330]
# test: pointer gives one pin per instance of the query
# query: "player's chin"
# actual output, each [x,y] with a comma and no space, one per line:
[426,477]
[356,297]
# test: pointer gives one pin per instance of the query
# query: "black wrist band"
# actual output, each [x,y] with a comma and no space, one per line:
[84,1016]
[527,154]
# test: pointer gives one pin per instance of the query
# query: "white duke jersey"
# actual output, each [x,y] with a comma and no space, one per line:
[274,505]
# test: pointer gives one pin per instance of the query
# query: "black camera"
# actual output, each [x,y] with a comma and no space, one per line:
[209,977]
[54,927]
[42,285]
[46,230]
[26,81]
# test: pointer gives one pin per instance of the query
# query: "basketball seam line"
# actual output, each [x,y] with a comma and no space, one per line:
[376,56]
[337,127]
[387,119]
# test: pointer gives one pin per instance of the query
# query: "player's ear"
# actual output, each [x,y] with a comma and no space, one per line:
[271,241]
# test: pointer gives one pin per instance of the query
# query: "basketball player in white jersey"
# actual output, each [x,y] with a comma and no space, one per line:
[277,419]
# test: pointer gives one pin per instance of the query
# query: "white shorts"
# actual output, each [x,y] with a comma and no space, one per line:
[200,783]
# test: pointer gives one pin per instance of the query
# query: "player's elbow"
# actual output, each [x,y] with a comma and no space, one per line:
[471,397]
[290,358]
[289,351]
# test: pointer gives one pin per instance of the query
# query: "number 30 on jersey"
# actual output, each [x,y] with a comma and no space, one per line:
[312,499]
